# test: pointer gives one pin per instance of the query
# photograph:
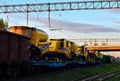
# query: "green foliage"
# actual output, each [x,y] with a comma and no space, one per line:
[2,24]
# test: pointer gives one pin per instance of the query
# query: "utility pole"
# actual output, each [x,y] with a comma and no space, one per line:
[49,16]
[27,14]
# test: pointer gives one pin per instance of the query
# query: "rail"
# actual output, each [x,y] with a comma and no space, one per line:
[99,77]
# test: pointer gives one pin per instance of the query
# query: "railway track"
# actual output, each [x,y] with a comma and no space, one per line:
[99,77]
[51,76]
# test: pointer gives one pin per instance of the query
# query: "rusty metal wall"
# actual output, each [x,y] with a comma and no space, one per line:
[13,48]
[4,49]
[24,49]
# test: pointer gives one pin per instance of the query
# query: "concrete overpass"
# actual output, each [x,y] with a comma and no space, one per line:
[99,44]
[97,41]
[103,48]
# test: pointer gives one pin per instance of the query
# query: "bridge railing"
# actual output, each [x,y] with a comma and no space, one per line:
[97,41]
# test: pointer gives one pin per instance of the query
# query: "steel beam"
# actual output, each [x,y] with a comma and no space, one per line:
[60,6]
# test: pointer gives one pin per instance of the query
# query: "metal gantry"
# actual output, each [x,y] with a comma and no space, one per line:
[60,6]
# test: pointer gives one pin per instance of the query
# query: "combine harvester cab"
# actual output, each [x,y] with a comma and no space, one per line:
[78,54]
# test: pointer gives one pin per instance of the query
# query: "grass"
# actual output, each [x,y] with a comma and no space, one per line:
[95,69]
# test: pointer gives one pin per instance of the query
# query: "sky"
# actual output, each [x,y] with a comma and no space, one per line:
[72,24]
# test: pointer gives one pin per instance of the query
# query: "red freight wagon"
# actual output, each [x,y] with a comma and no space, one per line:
[14,48]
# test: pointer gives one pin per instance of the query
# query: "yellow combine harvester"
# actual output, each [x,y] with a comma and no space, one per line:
[39,44]
[59,53]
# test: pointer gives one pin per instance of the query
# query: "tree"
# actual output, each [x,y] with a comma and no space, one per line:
[2,24]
